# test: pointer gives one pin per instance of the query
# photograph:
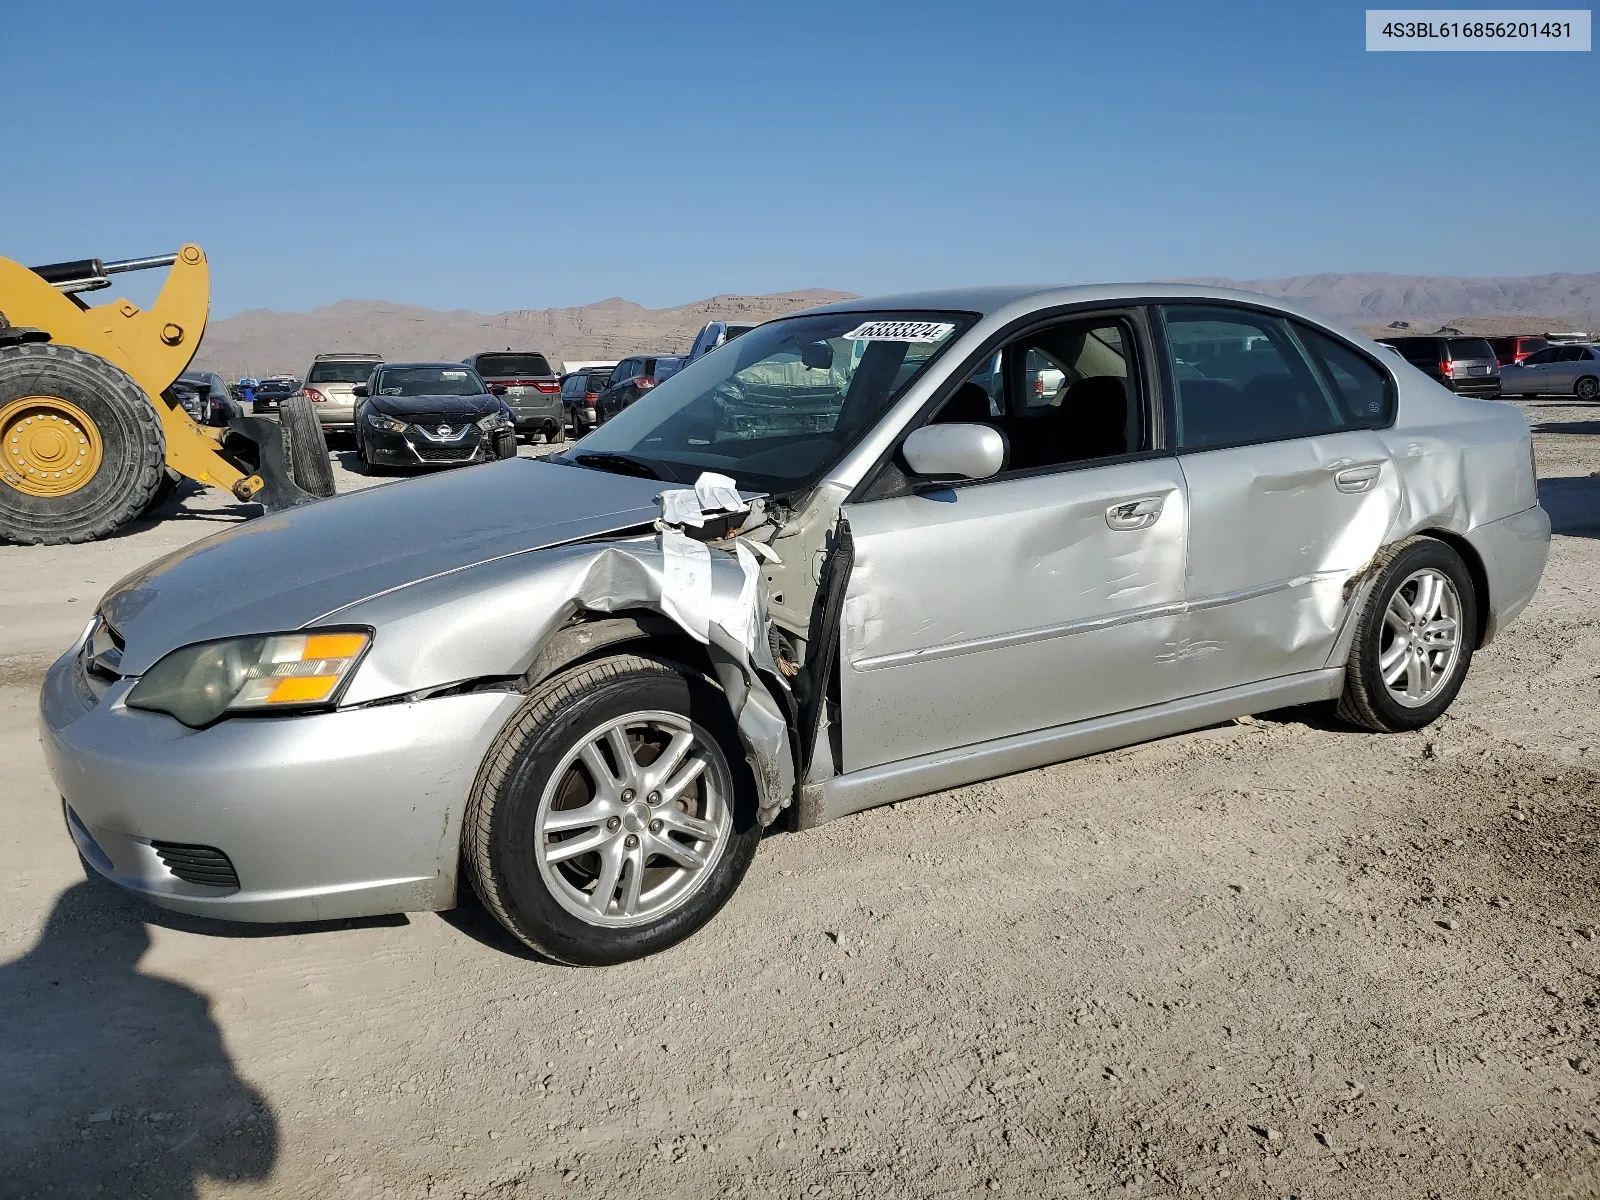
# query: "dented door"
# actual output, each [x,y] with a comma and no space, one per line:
[1004,607]
[1276,531]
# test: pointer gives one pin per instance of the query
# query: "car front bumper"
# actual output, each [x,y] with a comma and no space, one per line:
[414,449]
[331,815]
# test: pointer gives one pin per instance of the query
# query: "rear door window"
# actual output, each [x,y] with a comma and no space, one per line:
[1362,391]
[1240,377]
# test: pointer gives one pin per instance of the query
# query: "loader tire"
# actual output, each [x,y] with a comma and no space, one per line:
[168,485]
[82,450]
[305,447]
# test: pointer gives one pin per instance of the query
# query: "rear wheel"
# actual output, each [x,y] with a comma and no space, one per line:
[1414,643]
[1587,388]
[82,450]
[614,815]
[305,448]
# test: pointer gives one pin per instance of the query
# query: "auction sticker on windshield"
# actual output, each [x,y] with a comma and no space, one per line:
[900,331]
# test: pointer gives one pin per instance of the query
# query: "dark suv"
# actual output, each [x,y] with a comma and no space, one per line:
[532,388]
[580,395]
[632,378]
[1463,364]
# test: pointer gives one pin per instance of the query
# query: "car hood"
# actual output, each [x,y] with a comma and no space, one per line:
[290,569]
[410,406]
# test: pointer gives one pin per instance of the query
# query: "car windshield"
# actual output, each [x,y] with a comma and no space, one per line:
[341,372]
[513,366]
[430,381]
[777,408]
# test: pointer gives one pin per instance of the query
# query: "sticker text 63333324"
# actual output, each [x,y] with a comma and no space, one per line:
[900,331]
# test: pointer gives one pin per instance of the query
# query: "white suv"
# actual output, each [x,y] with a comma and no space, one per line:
[329,385]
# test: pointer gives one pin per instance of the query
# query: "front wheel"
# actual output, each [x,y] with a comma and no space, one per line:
[1414,643]
[614,815]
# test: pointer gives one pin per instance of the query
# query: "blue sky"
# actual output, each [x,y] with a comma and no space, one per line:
[489,155]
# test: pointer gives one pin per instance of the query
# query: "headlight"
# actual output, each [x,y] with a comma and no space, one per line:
[379,421]
[495,421]
[280,673]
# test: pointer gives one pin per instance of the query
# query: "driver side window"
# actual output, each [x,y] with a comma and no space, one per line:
[1065,394]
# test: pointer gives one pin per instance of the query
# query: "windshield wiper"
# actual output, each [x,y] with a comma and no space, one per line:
[622,464]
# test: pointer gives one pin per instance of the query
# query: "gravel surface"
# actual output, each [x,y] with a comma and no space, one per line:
[1272,958]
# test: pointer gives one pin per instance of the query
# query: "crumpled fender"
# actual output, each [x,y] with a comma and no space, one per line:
[491,621]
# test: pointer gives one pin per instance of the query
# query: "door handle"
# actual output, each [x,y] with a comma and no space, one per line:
[1135,514]
[1358,478]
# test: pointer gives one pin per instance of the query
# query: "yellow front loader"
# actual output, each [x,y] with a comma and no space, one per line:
[91,434]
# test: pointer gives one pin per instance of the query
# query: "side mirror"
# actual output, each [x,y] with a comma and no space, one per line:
[497,389]
[955,451]
[360,391]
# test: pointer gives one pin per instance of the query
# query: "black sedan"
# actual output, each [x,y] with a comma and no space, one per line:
[428,414]
[271,393]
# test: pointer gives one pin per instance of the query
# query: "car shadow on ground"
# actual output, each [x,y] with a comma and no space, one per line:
[116,1082]
[1573,503]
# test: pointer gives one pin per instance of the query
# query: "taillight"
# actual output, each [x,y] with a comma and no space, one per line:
[644,383]
[547,385]
[1447,368]
[313,395]
[1038,385]
[589,398]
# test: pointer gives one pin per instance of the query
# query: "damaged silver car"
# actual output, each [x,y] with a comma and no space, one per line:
[855,555]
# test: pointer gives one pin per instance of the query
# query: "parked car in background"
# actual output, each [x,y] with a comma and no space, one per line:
[580,393]
[632,378]
[532,388]
[330,386]
[533,682]
[1463,364]
[431,414]
[206,397]
[714,334]
[274,390]
[1515,349]
[1560,370]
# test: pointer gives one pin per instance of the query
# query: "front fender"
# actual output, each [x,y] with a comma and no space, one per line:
[507,621]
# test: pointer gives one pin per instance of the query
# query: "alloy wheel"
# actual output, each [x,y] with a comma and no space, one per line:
[1421,640]
[634,819]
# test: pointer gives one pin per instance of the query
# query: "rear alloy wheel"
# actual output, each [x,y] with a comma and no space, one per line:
[1415,639]
[82,450]
[615,814]
[1587,388]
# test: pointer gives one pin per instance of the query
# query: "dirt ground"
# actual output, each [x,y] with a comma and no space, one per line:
[1275,958]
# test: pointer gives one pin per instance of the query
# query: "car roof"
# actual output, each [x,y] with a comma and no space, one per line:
[348,354]
[457,365]
[990,300]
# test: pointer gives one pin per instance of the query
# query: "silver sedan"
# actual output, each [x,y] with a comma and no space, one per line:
[1570,369]
[853,556]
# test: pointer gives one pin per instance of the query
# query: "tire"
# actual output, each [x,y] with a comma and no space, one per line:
[305,447]
[536,767]
[132,447]
[169,484]
[505,444]
[1431,681]
[1587,389]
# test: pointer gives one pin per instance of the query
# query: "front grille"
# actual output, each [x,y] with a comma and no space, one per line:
[204,865]
[444,454]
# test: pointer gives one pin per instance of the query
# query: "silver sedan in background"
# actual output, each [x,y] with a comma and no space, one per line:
[1571,369]
[852,556]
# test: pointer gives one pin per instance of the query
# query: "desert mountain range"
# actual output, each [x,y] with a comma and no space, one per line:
[261,342]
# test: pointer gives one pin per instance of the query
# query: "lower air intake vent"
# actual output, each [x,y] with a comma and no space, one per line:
[204,865]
